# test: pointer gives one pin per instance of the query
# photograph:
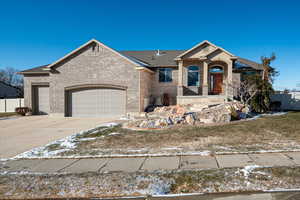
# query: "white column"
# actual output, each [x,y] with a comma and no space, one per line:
[180,78]
[205,76]
[229,86]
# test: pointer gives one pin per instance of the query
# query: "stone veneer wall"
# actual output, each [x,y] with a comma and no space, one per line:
[236,81]
[190,89]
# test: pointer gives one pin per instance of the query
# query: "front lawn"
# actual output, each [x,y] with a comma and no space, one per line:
[266,133]
[8,114]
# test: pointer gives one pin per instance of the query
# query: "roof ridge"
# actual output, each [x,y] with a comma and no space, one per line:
[249,60]
[155,50]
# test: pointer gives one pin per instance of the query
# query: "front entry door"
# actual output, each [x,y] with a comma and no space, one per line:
[216,83]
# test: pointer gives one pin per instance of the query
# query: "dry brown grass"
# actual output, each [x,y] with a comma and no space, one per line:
[8,114]
[267,133]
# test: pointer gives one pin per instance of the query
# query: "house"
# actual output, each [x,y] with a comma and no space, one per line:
[8,91]
[95,80]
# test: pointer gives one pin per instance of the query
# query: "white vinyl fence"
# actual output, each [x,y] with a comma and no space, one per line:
[289,101]
[9,105]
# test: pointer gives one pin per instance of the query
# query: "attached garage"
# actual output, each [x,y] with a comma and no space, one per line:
[96,102]
[41,99]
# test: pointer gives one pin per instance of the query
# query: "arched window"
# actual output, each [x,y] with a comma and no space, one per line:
[193,76]
[216,69]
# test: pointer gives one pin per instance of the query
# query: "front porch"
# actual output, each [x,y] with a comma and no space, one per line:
[201,99]
[204,75]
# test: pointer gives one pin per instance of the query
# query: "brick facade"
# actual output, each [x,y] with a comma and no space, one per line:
[96,64]
[29,81]
[88,66]
[170,88]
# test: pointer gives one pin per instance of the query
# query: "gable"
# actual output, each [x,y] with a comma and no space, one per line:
[202,50]
[98,47]
[218,55]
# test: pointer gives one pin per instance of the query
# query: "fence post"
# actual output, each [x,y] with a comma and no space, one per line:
[5,105]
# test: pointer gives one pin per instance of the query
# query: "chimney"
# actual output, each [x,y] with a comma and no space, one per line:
[158,53]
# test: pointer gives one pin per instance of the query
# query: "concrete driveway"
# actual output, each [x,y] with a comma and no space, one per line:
[21,134]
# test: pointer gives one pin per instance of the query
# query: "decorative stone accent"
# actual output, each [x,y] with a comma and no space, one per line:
[190,114]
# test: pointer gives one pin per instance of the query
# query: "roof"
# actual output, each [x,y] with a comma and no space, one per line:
[245,63]
[153,59]
[200,44]
[148,58]
[9,91]
[39,70]
[100,44]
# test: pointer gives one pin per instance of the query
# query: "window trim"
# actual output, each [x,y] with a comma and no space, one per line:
[193,71]
[165,71]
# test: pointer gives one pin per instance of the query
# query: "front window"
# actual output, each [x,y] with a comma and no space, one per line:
[193,76]
[165,75]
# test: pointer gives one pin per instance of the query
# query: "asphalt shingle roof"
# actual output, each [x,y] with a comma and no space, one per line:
[39,69]
[151,59]
[165,57]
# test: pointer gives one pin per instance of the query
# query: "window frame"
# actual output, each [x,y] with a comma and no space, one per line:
[193,71]
[167,72]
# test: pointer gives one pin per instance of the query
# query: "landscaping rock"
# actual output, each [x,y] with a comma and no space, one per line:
[190,119]
[190,114]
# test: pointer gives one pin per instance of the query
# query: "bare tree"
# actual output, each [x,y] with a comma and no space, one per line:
[9,75]
[246,90]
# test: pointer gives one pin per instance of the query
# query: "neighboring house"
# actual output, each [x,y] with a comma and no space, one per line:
[97,81]
[8,91]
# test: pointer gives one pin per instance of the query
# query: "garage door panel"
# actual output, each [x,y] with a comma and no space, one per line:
[43,100]
[99,102]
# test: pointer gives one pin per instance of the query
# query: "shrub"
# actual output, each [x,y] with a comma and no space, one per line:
[234,114]
[22,110]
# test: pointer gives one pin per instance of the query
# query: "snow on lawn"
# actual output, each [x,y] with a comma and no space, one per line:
[65,144]
[156,185]
[247,170]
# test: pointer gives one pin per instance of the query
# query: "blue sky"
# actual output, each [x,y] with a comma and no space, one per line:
[37,32]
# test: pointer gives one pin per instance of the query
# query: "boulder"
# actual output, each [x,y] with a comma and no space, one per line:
[190,119]
[165,116]
[207,121]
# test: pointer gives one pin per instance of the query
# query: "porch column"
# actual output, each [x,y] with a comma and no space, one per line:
[180,78]
[229,91]
[205,76]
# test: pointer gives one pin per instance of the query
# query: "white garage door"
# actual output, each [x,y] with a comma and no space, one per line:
[97,102]
[43,100]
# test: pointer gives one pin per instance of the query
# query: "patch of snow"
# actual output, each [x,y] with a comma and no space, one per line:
[87,139]
[266,114]
[172,148]
[178,195]
[111,124]
[66,144]
[282,190]
[136,150]
[259,151]
[20,173]
[247,170]
[114,133]
[124,118]
[201,153]
[69,144]
[157,186]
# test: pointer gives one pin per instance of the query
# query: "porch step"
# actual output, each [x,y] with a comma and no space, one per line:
[200,101]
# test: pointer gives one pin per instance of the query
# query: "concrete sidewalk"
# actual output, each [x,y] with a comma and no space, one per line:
[105,165]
